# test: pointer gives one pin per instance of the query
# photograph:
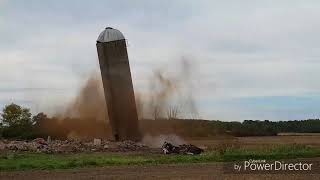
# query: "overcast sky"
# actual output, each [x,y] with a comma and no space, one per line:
[251,59]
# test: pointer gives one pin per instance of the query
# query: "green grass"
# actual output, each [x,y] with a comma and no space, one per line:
[277,152]
[30,161]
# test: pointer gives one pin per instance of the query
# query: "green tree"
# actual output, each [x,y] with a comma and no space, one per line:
[17,122]
[39,118]
[15,115]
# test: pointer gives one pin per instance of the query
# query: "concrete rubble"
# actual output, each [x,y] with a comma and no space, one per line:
[70,146]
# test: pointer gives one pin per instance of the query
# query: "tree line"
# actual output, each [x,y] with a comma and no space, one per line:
[17,122]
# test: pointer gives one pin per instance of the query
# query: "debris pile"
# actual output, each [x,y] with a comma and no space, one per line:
[190,149]
[97,145]
[70,146]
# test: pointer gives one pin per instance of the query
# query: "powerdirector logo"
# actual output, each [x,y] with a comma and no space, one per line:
[258,166]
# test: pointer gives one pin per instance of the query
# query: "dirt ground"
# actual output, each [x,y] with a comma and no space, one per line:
[176,172]
[179,171]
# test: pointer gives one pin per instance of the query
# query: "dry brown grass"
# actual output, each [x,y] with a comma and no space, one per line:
[224,142]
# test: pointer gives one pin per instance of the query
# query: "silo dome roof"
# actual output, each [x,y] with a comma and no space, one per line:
[110,34]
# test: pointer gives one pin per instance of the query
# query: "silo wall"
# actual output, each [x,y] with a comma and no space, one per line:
[118,89]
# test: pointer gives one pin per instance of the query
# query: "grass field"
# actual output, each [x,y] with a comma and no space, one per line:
[31,161]
[257,142]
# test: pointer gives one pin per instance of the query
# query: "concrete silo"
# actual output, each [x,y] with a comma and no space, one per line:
[117,83]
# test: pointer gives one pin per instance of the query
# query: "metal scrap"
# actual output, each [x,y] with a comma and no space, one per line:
[190,149]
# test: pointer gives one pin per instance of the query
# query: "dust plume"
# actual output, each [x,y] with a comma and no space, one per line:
[169,97]
[90,102]
[85,116]
[157,141]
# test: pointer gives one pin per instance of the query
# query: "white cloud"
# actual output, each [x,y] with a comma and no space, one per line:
[241,49]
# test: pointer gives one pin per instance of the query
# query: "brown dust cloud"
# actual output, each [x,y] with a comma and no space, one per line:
[169,97]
